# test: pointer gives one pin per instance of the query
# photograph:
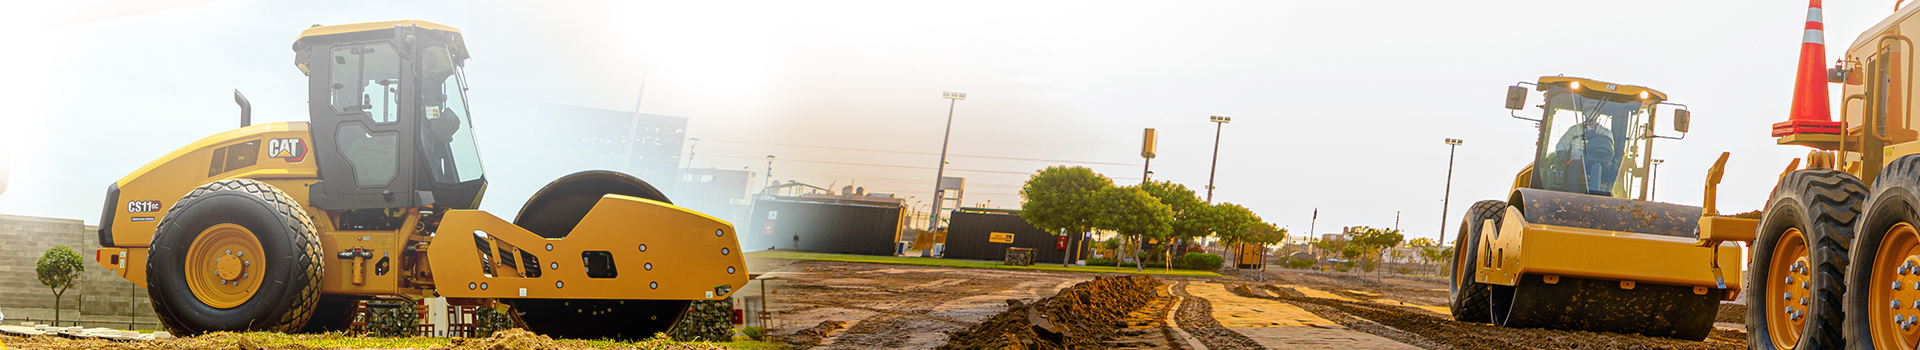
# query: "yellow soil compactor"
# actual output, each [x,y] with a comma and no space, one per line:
[1576,244]
[282,226]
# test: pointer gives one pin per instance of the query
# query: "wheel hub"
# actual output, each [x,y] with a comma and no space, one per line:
[1895,296]
[220,268]
[1789,289]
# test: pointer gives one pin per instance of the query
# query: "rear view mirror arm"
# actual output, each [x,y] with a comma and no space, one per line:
[1654,134]
[1516,112]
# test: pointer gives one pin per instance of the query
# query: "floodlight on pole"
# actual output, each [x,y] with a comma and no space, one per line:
[1452,146]
[939,194]
[1220,123]
[1655,189]
[769,189]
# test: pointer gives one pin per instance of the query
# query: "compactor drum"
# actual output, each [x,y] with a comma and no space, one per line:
[288,226]
[1576,245]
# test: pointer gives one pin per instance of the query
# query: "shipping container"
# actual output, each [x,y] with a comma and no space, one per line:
[985,234]
[823,227]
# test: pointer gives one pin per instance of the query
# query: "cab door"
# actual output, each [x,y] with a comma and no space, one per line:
[361,125]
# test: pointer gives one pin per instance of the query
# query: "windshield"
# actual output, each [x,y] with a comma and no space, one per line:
[1590,145]
[446,131]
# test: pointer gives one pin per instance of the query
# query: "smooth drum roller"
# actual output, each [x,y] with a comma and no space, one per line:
[1607,306]
[553,212]
[1593,304]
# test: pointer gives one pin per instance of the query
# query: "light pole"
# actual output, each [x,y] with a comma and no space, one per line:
[769,189]
[1220,123]
[1146,151]
[693,143]
[633,129]
[939,194]
[1453,145]
[679,184]
[1655,189]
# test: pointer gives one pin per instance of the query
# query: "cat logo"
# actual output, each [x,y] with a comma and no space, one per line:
[293,150]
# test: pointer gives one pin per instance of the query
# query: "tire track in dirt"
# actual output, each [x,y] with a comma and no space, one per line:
[1196,317]
[1430,331]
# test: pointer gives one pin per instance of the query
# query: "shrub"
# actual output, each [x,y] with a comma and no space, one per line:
[1299,263]
[1199,261]
[1343,267]
[1100,262]
[752,333]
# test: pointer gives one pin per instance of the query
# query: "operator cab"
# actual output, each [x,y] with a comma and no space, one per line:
[389,116]
[1595,137]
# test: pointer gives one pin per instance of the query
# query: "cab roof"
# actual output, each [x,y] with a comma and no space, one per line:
[1587,86]
[319,30]
[362,31]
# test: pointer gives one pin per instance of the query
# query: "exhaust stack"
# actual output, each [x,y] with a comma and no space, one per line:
[246,109]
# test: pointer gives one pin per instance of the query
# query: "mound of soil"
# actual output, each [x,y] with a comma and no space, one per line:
[813,335]
[520,339]
[1080,317]
[1732,313]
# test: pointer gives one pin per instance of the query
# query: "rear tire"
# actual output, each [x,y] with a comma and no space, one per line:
[1822,205]
[1469,298]
[1880,250]
[288,268]
[553,212]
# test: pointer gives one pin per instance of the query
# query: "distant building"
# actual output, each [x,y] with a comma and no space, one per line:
[647,147]
[717,192]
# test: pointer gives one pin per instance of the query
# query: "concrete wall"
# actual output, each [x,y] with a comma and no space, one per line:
[101,297]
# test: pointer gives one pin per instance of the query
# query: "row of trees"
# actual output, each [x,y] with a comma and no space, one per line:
[1077,200]
[1369,246]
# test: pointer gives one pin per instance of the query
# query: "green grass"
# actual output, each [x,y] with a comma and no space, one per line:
[977,264]
[339,340]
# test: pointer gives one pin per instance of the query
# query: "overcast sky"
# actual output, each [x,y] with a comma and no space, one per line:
[1336,105]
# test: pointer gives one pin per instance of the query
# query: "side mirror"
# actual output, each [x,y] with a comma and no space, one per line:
[1680,120]
[1516,97]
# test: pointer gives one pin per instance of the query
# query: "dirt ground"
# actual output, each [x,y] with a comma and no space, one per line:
[836,305]
[850,305]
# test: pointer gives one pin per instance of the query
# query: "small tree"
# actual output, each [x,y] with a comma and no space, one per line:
[1058,199]
[59,268]
[1189,212]
[1370,242]
[1133,213]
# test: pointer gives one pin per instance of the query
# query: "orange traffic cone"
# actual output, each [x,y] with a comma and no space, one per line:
[1811,113]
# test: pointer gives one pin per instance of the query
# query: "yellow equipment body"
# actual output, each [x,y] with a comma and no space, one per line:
[1577,244]
[397,219]
[1527,248]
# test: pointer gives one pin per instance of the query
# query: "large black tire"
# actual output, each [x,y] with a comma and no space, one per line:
[290,285]
[1823,205]
[1893,201]
[552,212]
[1469,297]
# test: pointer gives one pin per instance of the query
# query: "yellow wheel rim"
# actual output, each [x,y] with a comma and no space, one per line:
[1789,289]
[223,266]
[1895,273]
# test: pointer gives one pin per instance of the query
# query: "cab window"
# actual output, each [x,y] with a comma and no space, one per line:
[366,81]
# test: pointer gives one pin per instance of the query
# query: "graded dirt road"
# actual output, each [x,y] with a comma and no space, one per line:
[852,305]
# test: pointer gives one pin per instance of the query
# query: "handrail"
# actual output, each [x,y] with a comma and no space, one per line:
[1907,103]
